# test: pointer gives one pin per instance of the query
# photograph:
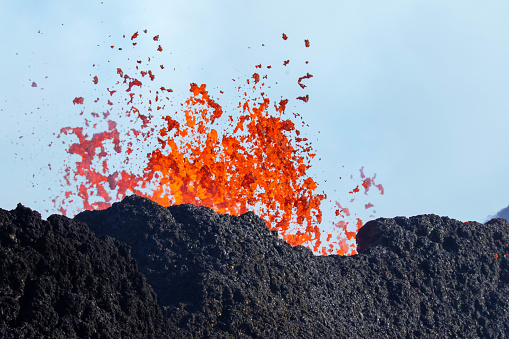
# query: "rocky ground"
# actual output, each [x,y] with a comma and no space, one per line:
[225,276]
[58,280]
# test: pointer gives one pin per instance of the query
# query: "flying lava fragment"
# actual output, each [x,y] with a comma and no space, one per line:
[78,101]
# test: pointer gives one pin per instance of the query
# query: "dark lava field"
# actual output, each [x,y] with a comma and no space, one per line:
[140,270]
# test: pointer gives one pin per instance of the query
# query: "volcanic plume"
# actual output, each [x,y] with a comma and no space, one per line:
[253,157]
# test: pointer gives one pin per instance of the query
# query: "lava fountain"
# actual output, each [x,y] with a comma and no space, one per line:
[252,157]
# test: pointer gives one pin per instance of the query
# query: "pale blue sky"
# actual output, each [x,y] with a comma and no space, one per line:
[416,91]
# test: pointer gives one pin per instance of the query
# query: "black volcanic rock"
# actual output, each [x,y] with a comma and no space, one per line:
[223,276]
[228,276]
[57,280]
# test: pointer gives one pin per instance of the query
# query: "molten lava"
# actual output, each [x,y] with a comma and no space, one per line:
[250,159]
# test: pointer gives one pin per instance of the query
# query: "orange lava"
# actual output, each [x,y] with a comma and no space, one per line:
[304,98]
[256,167]
[78,100]
[307,76]
[258,162]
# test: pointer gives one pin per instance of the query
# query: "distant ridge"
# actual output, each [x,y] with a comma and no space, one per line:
[503,213]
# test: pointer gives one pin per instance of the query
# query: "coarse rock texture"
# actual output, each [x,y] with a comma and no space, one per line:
[57,280]
[225,276]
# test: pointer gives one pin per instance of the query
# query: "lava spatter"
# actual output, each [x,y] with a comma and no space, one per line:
[248,158]
[78,101]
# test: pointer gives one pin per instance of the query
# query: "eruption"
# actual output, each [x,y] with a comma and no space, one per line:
[250,158]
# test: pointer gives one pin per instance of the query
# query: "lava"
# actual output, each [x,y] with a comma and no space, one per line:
[307,76]
[78,101]
[249,158]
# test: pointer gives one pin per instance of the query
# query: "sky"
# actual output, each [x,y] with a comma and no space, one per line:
[414,91]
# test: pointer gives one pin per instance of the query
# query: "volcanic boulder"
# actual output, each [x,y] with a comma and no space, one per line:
[216,275]
[57,280]
[229,276]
